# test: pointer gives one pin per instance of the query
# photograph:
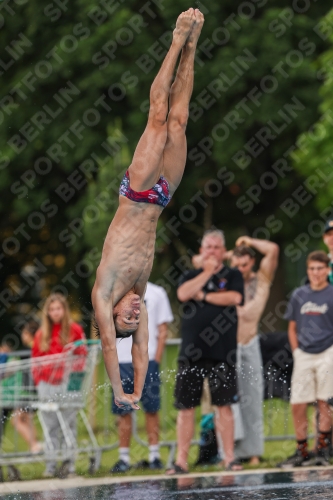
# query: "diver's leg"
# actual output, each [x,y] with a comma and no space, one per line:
[147,160]
[174,156]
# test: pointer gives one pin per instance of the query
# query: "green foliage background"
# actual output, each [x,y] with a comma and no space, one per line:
[79,47]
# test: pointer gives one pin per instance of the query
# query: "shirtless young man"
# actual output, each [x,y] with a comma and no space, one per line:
[249,362]
[128,251]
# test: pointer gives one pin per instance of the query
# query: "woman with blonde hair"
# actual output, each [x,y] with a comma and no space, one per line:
[56,332]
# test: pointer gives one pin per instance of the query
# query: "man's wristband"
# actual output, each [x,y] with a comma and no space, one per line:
[204,296]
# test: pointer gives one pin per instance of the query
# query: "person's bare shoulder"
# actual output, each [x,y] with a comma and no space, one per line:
[262,289]
[262,279]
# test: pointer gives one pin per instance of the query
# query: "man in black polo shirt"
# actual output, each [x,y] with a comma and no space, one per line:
[209,345]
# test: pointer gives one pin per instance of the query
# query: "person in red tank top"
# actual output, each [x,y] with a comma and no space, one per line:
[56,332]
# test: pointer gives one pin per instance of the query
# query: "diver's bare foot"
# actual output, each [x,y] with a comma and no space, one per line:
[193,37]
[184,25]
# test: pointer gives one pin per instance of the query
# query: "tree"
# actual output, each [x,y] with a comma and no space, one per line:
[314,157]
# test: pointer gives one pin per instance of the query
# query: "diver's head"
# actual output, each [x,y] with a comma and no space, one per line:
[126,315]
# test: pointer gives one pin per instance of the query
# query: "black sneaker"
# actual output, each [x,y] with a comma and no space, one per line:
[156,464]
[64,470]
[296,460]
[120,467]
[142,465]
[322,457]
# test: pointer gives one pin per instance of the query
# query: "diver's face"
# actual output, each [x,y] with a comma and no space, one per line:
[127,315]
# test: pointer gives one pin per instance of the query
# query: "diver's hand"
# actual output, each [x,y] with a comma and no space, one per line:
[127,402]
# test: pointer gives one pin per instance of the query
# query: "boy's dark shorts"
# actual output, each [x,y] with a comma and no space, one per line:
[150,400]
[222,381]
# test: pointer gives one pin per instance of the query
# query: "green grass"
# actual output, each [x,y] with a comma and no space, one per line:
[277,418]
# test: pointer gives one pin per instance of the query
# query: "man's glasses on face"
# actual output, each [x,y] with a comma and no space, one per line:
[316,268]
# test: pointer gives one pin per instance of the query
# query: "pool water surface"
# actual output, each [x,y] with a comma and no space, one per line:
[301,484]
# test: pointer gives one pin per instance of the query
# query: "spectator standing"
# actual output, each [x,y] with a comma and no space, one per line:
[23,417]
[159,315]
[13,472]
[209,345]
[249,361]
[5,413]
[57,330]
[310,330]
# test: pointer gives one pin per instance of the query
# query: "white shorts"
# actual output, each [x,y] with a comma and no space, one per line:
[312,377]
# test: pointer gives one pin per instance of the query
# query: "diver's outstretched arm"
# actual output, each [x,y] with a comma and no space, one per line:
[140,353]
[107,331]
